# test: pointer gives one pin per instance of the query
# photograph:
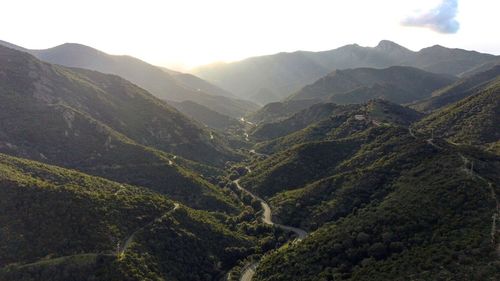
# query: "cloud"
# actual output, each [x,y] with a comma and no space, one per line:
[440,19]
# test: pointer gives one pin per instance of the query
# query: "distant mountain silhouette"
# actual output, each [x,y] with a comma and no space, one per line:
[270,78]
[164,83]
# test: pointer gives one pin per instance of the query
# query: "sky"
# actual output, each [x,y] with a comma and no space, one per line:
[183,34]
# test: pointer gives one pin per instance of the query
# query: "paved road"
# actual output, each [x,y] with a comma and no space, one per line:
[410,130]
[257,153]
[267,216]
[121,249]
[242,119]
[248,272]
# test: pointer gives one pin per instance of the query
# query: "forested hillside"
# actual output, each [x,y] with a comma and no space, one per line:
[50,232]
[378,171]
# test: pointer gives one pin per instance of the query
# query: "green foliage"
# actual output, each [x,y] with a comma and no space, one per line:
[434,220]
[473,120]
[297,121]
[297,166]
[344,122]
[461,89]
[105,126]
[395,206]
[382,202]
[110,101]
[399,84]
[59,224]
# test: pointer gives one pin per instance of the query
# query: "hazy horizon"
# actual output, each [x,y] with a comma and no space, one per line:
[161,34]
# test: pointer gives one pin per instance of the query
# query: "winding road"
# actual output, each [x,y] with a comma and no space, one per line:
[128,241]
[249,270]
[267,215]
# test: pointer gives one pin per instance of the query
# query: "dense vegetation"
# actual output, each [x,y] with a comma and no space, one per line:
[107,99]
[473,120]
[100,124]
[389,203]
[49,230]
[433,222]
[398,84]
[461,89]
[142,192]
[340,124]
[298,121]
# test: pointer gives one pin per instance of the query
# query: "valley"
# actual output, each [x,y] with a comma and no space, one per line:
[365,163]
[249,270]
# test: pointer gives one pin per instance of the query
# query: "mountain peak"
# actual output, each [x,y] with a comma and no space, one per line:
[386,45]
[74,47]
[12,46]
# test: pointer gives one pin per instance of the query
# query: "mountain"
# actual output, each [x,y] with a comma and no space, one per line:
[397,84]
[233,108]
[267,78]
[205,115]
[472,120]
[277,76]
[383,197]
[306,155]
[276,111]
[150,77]
[298,121]
[109,99]
[101,180]
[416,213]
[481,68]
[12,46]
[195,83]
[106,126]
[439,59]
[460,89]
[342,123]
[59,224]
[165,84]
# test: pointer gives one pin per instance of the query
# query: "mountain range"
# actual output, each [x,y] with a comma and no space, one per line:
[106,126]
[163,83]
[386,191]
[383,165]
[274,77]
[134,187]
[397,84]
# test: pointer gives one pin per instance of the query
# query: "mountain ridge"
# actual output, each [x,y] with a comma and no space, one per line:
[105,126]
[285,73]
[163,83]
[409,84]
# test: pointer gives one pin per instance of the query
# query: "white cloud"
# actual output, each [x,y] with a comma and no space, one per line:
[441,19]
